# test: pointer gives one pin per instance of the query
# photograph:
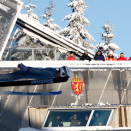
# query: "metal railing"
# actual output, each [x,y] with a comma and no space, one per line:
[13,54]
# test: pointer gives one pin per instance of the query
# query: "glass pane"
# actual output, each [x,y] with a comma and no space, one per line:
[24,47]
[21,54]
[6,19]
[100,118]
[44,54]
[67,118]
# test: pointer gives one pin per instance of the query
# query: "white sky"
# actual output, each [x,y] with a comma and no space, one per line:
[117,12]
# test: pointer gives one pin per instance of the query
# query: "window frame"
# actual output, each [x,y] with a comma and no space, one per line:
[79,109]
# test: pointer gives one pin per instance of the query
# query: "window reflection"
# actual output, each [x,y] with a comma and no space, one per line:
[67,118]
[100,118]
[72,118]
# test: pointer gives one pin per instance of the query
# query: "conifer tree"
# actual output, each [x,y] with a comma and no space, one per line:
[107,47]
[47,15]
[76,21]
[29,10]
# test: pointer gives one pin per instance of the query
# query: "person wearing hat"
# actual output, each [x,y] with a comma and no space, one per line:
[110,57]
[74,120]
[99,56]
[85,56]
[71,56]
[121,58]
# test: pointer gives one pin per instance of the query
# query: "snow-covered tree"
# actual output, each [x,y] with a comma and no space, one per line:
[76,22]
[29,10]
[47,15]
[108,47]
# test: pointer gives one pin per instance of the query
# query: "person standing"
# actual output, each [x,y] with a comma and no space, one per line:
[129,58]
[71,56]
[121,58]
[84,122]
[57,122]
[85,56]
[74,120]
[99,56]
[110,57]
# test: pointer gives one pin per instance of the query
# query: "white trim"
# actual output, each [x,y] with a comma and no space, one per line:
[90,118]
[110,117]
[78,109]
[100,65]
[46,118]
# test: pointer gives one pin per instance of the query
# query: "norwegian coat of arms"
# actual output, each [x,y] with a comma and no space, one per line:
[77,85]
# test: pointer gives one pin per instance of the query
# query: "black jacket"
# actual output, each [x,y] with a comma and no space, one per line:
[85,57]
[99,57]
[57,122]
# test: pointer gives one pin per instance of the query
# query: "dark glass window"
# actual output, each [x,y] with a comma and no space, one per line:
[77,117]
[67,118]
[100,118]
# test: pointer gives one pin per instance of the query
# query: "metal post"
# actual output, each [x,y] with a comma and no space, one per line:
[32,54]
[55,54]
[9,54]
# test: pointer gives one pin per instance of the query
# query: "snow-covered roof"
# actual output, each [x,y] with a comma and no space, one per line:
[36,28]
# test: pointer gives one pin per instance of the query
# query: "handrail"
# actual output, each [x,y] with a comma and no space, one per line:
[9,53]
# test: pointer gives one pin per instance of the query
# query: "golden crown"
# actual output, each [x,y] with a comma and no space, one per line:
[76,79]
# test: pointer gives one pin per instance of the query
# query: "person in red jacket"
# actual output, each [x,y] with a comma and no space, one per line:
[71,56]
[129,58]
[122,58]
[110,57]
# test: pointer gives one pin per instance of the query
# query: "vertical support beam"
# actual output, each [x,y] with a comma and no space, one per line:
[120,117]
[9,54]
[32,54]
[56,95]
[125,112]
[55,54]
[104,87]
[125,90]
[123,116]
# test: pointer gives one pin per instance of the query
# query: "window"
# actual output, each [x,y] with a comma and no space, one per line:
[77,117]
[67,118]
[100,118]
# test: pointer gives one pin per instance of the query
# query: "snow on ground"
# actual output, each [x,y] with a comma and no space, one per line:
[28,129]
[91,129]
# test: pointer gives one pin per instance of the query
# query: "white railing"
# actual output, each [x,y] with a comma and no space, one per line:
[72,64]
[9,52]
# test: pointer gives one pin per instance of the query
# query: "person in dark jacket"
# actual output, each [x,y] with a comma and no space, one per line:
[85,56]
[99,56]
[84,122]
[57,121]
[74,120]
